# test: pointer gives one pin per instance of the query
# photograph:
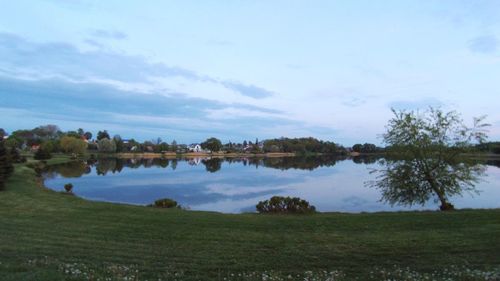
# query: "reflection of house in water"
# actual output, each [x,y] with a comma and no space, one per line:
[148,162]
[194,161]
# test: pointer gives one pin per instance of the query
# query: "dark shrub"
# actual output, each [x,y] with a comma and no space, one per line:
[68,187]
[42,154]
[165,203]
[285,205]
[6,167]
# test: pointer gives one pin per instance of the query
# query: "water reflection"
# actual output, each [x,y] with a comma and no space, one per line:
[103,166]
[236,184]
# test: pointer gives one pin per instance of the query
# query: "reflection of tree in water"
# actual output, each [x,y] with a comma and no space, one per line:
[212,165]
[105,165]
[493,162]
[174,164]
[161,162]
[405,182]
[366,159]
[115,165]
[301,163]
[74,169]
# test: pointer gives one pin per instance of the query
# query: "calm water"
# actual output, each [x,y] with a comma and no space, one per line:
[237,185]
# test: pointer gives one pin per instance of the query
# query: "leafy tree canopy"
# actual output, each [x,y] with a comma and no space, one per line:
[212,144]
[425,157]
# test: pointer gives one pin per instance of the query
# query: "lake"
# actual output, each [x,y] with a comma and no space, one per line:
[236,185]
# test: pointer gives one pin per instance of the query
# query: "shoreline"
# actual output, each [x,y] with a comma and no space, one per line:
[171,155]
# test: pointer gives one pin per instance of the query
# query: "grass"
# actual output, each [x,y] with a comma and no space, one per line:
[45,235]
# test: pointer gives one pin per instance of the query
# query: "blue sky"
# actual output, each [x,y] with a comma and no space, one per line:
[188,70]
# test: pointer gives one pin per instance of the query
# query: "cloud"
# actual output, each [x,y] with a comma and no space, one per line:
[23,58]
[61,59]
[94,43]
[248,90]
[29,103]
[423,103]
[353,101]
[483,44]
[108,34]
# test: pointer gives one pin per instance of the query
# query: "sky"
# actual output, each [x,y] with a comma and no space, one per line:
[240,70]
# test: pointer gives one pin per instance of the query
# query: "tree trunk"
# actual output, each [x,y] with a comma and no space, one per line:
[445,205]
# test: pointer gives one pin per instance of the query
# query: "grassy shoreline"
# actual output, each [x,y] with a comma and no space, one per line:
[50,236]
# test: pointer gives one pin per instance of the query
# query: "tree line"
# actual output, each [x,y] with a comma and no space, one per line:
[47,139]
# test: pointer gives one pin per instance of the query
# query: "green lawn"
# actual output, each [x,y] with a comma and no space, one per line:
[46,235]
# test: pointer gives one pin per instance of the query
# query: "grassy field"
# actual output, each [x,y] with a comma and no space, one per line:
[46,235]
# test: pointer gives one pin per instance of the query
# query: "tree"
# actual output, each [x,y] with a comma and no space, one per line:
[102,135]
[3,133]
[425,158]
[173,146]
[42,153]
[162,147]
[15,157]
[47,132]
[212,144]
[87,135]
[73,145]
[357,147]
[119,143]
[106,145]
[6,167]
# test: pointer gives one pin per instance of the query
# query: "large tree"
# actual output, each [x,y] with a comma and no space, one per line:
[102,135]
[106,145]
[426,158]
[73,145]
[212,144]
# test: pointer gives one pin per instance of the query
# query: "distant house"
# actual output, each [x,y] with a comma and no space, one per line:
[35,147]
[195,148]
[248,148]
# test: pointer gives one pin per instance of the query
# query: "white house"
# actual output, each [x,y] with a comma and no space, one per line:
[195,148]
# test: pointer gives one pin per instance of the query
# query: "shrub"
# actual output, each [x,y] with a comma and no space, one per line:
[42,154]
[6,167]
[285,205]
[68,187]
[166,203]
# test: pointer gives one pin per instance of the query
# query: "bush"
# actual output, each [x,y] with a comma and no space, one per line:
[42,154]
[6,167]
[68,187]
[165,203]
[285,205]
